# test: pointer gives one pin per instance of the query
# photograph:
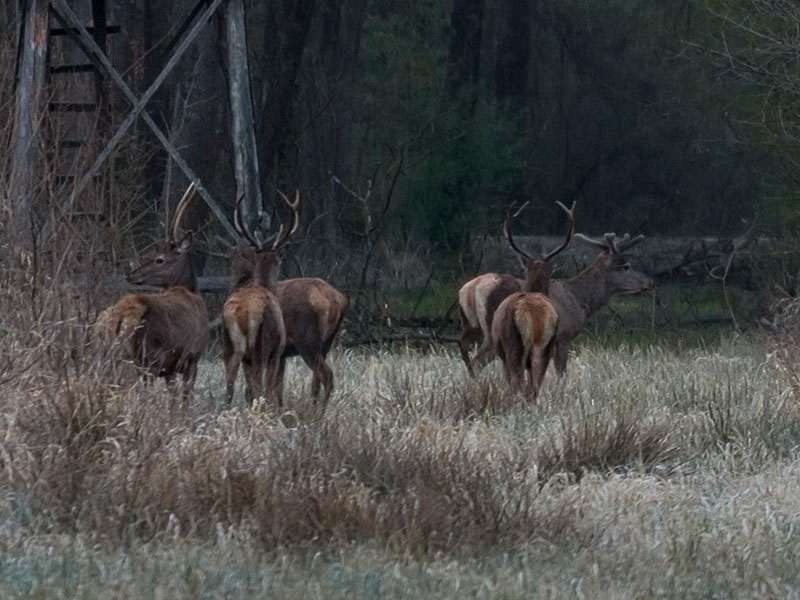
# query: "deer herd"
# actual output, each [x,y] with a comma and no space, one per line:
[526,322]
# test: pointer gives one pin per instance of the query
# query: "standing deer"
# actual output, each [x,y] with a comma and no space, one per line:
[578,298]
[253,331]
[479,298]
[312,314]
[163,333]
[524,324]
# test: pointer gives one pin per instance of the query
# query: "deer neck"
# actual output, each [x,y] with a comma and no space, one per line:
[267,276]
[590,288]
[187,277]
[537,284]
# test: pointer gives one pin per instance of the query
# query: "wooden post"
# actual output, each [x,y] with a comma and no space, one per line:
[27,118]
[242,125]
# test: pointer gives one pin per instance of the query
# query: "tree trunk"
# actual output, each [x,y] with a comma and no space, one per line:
[513,49]
[465,47]
[285,39]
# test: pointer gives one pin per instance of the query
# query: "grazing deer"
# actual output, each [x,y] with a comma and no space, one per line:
[524,324]
[163,333]
[479,298]
[578,298]
[253,334]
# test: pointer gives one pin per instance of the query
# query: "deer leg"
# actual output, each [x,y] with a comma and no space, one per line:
[537,368]
[465,340]
[322,376]
[271,374]
[169,380]
[253,376]
[232,363]
[189,376]
[546,356]
[511,368]
[485,354]
[560,353]
[279,380]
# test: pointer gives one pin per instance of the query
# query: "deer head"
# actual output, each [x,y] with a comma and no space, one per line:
[170,264]
[619,277]
[538,269]
[258,264]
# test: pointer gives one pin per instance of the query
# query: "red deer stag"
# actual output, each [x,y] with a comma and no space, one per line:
[479,298]
[523,329]
[164,333]
[253,332]
[578,298]
[524,324]
[312,314]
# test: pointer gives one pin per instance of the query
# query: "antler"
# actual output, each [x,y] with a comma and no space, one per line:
[283,237]
[507,231]
[570,231]
[610,243]
[187,197]
[240,226]
[626,244]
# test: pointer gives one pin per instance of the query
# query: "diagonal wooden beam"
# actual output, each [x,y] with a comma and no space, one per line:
[69,19]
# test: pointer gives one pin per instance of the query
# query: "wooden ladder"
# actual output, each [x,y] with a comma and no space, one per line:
[78,105]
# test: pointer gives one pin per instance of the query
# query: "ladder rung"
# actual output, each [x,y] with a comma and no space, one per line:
[73,106]
[62,31]
[62,179]
[72,68]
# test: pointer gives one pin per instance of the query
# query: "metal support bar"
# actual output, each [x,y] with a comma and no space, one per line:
[70,20]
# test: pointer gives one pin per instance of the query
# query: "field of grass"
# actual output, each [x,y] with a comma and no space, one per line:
[647,472]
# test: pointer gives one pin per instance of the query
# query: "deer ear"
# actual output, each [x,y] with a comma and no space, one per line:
[186,243]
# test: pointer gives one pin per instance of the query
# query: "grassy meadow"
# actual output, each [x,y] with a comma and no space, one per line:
[653,470]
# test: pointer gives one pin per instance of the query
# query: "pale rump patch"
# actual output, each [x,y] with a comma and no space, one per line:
[242,315]
[121,320]
[466,300]
[484,286]
[238,339]
[536,319]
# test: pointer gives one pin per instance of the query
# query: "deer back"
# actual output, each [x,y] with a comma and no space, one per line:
[312,312]
[166,330]
[479,298]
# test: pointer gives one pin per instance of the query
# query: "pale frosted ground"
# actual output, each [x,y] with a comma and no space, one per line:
[719,518]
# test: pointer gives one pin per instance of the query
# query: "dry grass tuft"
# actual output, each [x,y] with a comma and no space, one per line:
[606,443]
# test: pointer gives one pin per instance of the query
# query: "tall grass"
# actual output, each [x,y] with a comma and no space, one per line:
[670,465]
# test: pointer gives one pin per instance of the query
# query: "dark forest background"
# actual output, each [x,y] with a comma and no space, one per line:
[410,127]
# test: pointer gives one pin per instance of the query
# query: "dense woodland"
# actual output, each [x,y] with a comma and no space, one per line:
[414,125]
